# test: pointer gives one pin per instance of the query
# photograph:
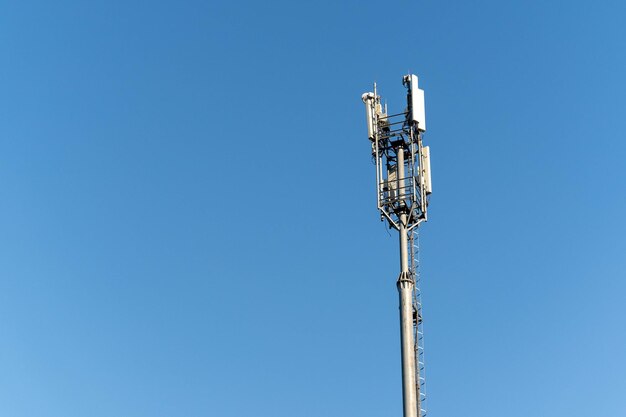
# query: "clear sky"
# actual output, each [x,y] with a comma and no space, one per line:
[188,222]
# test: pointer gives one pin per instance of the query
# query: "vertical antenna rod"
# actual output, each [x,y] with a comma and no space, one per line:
[403,186]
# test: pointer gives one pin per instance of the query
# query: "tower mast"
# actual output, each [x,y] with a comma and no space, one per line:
[403,185]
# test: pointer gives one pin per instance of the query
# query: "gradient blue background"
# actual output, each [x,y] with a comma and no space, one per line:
[188,222]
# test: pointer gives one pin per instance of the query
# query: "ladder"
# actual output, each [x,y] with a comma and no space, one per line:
[418,325]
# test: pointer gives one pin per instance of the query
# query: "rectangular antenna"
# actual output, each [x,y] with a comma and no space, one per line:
[418,110]
[428,186]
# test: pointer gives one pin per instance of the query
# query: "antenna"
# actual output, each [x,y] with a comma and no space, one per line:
[403,187]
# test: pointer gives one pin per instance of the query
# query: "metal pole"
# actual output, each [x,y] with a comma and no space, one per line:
[405,290]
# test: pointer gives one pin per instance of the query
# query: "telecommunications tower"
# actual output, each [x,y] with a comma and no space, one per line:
[403,186]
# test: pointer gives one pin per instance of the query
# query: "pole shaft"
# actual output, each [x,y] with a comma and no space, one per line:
[405,292]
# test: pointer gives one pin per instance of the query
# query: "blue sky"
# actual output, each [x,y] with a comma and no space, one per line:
[188,216]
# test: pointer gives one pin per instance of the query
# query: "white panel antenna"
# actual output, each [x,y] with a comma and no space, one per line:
[426,178]
[417,105]
[370,105]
